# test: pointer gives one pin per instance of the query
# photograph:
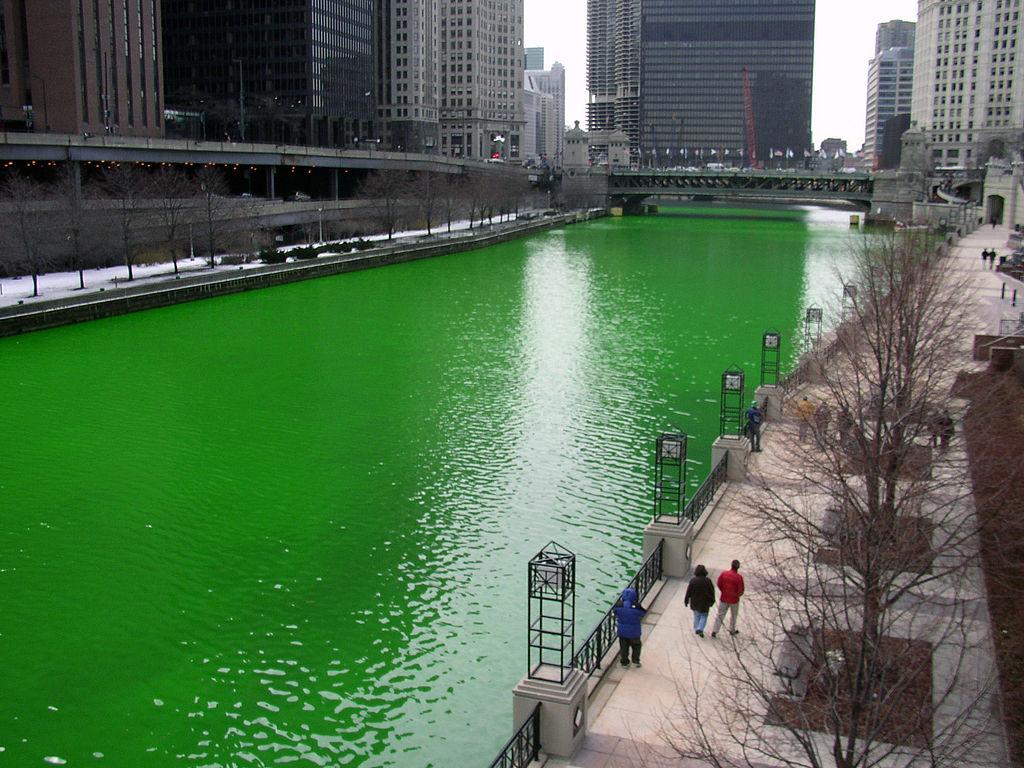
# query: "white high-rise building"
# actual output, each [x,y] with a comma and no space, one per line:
[552,82]
[538,108]
[968,96]
[890,83]
[481,44]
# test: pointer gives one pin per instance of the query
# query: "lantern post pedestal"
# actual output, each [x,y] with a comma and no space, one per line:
[769,397]
[563,711]
[738,449]
[678,537]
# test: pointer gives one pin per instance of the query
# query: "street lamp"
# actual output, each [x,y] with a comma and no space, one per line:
[320,218]
[46,110]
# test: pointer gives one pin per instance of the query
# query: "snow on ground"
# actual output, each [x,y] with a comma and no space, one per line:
[64,285]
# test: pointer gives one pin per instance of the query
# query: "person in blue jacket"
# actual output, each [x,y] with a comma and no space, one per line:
[628,613]
[755,417]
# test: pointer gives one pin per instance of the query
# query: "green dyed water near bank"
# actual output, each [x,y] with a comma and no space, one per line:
[293,524]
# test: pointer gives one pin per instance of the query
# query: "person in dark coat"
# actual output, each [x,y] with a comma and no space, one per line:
[755,416]
[628,614]
[700,596]
[946,429]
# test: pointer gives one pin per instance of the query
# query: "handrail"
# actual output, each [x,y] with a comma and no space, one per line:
[524,746]
[702,498]
[588,657]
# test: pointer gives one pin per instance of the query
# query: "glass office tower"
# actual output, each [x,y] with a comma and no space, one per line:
[291,71]
[692,62]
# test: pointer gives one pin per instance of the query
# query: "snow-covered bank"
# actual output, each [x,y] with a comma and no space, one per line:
[65,285]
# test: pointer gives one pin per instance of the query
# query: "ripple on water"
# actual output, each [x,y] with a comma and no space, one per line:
[298,519]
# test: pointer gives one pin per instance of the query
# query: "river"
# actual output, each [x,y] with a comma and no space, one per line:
[293,524]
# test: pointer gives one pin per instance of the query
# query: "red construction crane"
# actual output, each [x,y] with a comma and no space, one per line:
[748,114]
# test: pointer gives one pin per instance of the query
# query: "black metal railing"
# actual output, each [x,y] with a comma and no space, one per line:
[524,746]
[702,498]
[588,657]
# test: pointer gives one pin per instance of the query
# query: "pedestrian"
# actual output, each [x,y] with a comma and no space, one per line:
[993,222]
[822,418]
[984,258]
[946,429]
[991,258]
[628,613]
[755,416]
[805,412]
[935,427]
[700,596]
[730,588]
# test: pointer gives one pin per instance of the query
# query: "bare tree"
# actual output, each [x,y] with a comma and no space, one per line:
[383,191]
[127,186]
[78,222]
[27,230]
[474,192]
[174,194]
[215,209]
[865,554]
[428,190]
[451,196]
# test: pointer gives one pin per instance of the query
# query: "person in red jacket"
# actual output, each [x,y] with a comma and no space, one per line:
[730,585]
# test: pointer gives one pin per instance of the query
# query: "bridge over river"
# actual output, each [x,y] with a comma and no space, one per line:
[629,188]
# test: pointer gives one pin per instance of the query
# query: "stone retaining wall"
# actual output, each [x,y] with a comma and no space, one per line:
[50,314]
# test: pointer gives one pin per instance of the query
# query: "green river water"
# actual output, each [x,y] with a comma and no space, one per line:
[292,525]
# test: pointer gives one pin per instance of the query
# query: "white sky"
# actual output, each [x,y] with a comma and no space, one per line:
[844,44]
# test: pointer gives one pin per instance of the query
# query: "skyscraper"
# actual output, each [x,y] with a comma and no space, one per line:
[551,82]
[533,58]
[968,98]
[82,67]
[890,83]
[482,78]
[894,34]
[297,71]
[408,60]
[613,67]
[694,59]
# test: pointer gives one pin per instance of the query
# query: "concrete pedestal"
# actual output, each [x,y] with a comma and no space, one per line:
[738,449]
[675,557]
[563,711]
[815,371]
[769,397]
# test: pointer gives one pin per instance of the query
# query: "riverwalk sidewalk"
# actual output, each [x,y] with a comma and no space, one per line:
[637,715]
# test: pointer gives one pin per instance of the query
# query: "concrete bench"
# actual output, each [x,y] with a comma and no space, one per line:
[793,664]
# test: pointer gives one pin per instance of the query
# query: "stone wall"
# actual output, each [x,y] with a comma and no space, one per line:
[50,314]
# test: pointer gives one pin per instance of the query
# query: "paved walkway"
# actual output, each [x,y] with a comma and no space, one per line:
[637,715]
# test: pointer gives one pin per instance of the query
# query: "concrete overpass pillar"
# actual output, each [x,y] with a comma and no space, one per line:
[334,183]
[76,175]
[271,174]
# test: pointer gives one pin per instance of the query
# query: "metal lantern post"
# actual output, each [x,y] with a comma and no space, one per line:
[812,327]
[670,476]
[849,299]
[771,353]
[551,614]
[732,401]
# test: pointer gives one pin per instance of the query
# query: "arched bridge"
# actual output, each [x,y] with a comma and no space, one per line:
[632,186]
